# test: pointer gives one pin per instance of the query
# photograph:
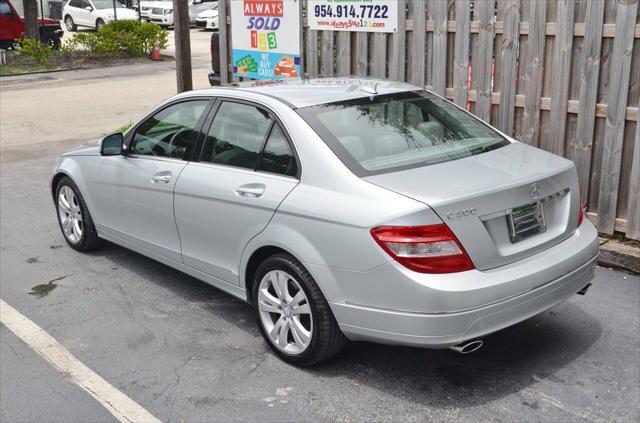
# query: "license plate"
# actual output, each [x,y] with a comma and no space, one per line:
[526,221]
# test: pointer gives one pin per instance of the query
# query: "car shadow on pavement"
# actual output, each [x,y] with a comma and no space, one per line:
[225,306]
[510,360]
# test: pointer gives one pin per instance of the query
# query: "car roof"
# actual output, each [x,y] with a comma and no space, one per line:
[303,92]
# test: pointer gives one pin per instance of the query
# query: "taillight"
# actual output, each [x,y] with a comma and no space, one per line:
[582,210]
[424,249]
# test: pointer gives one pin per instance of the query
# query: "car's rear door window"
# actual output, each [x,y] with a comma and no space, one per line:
[236,135]
[170,132]
[385,133]
[277,156]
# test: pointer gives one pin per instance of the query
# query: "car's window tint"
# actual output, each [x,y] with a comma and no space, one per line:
[392,132]
[236,135]
[75,3]
[169,132]
[277,156]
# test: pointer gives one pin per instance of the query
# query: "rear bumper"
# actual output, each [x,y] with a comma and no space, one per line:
[449,315]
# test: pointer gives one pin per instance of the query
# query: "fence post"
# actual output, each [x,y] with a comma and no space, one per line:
[616,110]
[417,46]
[510,47]
[483,75]
[461,53]
[588,93]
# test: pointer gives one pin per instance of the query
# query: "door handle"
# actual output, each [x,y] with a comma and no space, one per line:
[161,178]
[250,190]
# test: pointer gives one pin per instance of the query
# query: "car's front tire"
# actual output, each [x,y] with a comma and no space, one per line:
[69,24]
[293,315]
[99,24]
[74,218]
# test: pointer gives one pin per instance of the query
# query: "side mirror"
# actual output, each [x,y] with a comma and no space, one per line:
[112,145]
[89,8]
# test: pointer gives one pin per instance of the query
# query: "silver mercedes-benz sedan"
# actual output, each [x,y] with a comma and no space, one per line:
[340,208]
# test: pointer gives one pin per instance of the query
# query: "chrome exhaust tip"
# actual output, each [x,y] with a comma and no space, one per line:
[468,347]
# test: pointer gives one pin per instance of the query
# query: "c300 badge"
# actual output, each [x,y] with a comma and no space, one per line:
[462,213]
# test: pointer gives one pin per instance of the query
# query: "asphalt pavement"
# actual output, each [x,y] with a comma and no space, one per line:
[186,351]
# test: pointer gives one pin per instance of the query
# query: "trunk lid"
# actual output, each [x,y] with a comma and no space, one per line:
[481,199]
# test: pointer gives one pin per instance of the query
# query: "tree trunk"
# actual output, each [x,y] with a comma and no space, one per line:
[31,19]
[183,45]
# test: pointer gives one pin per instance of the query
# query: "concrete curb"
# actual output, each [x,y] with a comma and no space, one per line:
[621,255]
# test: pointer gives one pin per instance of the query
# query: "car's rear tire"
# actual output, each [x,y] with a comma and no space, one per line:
[293,315]
[74,218]
[69,24]
[52,41]
[99,24]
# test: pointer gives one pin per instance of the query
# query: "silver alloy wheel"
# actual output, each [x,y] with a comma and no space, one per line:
[70,214]
[69,23]
[285,312]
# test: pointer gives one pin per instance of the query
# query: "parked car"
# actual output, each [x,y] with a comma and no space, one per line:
[12,25]
[208,19]
[162,12]
[146,6]
[94,13]
[340,208]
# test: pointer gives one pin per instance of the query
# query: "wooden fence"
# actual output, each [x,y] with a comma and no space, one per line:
[563,75]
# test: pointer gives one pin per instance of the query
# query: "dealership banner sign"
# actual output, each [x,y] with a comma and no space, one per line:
[266,38]
[353,15]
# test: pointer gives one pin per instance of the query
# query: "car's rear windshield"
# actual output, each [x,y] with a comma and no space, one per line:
[387,133]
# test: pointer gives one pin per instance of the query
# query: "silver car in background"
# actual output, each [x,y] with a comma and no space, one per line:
[340,208]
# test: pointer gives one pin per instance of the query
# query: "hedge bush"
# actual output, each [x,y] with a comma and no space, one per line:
[126,37]
[35,49]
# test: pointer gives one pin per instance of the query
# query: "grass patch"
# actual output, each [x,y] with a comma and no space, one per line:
[18,63]
[124,127]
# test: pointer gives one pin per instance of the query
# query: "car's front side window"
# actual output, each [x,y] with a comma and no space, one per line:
[236,135]
[170,132]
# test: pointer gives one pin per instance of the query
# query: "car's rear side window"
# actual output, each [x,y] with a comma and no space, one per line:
[236,135]
[277,156]
[386,133]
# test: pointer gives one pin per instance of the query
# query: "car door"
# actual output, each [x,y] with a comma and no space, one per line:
[136,189]
[8,22]
[76,9]
[246,168]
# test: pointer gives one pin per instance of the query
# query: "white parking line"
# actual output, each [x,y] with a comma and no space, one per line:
[121,406]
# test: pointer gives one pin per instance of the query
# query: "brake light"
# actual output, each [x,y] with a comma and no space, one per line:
[582,211]
[424,249]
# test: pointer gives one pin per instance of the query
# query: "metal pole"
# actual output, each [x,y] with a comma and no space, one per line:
[115,14]
[40,31]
